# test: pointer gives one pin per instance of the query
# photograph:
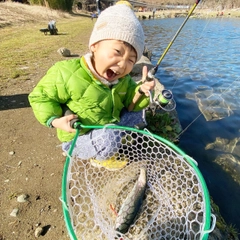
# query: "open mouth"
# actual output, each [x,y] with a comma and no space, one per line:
[110,74]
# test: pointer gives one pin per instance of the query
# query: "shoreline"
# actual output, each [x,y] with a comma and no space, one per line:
[198,13]
[15,14]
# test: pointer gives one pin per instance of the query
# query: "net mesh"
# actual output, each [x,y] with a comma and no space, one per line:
[173,205]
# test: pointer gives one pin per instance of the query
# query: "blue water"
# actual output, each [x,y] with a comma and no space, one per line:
[206,53]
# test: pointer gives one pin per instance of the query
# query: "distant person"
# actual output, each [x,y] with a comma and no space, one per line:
[93,15]
[79,6]
[99,6]
[52,27]
[153,13]
[97,88]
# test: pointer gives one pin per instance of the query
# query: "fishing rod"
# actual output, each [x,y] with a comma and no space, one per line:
[153,71]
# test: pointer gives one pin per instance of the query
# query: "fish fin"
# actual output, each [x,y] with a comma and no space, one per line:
[113,210]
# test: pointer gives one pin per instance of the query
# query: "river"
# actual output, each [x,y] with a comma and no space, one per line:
[202,69]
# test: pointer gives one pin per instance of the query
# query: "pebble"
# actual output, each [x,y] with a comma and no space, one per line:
[22,198]
[14,212]
[38,231]
[11,153]
[64,52]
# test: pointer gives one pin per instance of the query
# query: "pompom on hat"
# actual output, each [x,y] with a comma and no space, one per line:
[119,22]
[126,3]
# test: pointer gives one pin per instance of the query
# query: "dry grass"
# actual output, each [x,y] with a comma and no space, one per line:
[12,13]
[27,52]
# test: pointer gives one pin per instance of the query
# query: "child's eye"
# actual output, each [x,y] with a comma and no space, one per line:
[118,51]
[132,60]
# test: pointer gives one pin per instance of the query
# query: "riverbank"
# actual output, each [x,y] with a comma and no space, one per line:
[13,13]
[198,13]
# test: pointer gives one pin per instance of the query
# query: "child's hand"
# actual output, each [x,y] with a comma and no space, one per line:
[64,123]
[146,85]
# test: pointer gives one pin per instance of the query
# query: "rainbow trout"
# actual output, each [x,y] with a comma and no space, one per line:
[132,204]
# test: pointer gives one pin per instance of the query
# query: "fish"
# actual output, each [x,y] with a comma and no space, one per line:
[132,204]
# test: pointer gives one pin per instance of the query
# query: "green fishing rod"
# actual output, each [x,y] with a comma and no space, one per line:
[153,71]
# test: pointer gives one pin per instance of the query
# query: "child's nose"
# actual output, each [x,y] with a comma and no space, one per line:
[122,63]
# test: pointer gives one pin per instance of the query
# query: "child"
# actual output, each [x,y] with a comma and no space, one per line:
[97,88]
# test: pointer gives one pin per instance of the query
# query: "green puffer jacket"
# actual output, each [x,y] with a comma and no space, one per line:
[71,82]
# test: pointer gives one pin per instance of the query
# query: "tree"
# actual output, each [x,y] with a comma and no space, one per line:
[65,5]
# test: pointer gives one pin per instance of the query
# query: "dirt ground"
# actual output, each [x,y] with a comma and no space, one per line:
[31,163]
[31,160]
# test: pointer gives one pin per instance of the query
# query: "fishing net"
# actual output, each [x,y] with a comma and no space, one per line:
[175,203]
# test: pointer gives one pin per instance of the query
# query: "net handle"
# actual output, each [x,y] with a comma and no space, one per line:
[207,214]
[64,189]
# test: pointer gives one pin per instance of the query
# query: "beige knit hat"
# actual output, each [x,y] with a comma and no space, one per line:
[119,22]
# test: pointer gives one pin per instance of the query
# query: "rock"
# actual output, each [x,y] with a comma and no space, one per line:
[14,212]
[147,53]
[64,52]
[137,69]
[22,198]
[38,231]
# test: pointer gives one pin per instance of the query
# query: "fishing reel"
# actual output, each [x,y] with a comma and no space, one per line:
[164,101]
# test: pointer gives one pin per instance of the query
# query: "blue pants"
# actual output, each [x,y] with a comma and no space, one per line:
[103,143]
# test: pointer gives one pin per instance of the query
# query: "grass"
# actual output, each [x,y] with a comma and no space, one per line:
[25,50]
[164,124]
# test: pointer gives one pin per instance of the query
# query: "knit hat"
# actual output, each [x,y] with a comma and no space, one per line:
[119,22]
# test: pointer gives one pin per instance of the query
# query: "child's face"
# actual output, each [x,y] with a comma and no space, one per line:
[112,59]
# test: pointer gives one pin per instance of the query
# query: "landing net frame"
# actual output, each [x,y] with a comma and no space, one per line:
[66,199]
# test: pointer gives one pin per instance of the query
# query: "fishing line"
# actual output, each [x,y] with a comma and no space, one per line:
[196,43]
[191,53]
[167,96]
[154,70]
[204,109]
[188,60]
